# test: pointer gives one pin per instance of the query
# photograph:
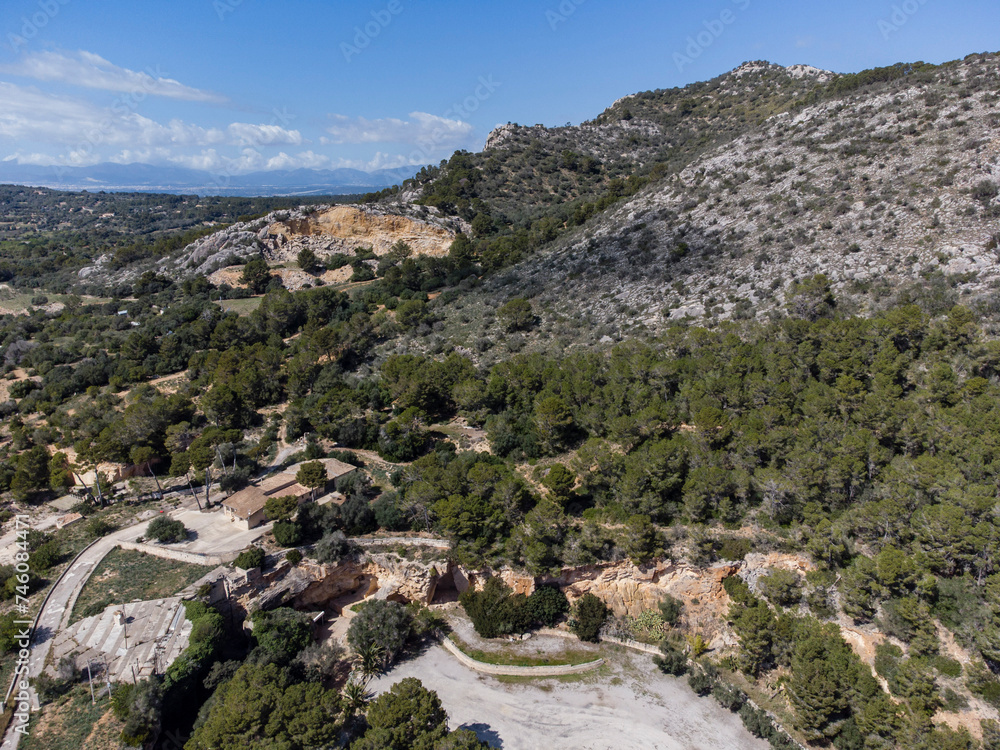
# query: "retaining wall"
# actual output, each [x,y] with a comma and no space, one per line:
[179,556]
[514,671]
[635,645]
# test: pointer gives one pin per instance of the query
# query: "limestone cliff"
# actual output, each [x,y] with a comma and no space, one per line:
[310,585]
[627,589]
[326,230]
[344,229]
[630,590]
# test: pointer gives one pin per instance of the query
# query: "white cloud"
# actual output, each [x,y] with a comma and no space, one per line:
[93,71]
[302,160]
[87,134]
[27,114]
[422,129]
[246,134]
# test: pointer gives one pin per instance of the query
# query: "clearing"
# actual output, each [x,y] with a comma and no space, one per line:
[626,704]
[125,575]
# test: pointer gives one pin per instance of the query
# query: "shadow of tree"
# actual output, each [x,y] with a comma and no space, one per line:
[485,733]
[42,634]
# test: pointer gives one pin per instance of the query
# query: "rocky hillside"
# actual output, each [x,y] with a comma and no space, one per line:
[280,235]
[705,202]
[526,172]
[889,189]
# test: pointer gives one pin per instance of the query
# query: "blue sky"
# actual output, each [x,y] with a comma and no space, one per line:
[240,85]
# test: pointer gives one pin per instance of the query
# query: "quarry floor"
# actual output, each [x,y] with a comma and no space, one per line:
[627,704]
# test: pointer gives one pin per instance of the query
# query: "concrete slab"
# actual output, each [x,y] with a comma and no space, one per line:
[156,632]
[213,533]
[64,503]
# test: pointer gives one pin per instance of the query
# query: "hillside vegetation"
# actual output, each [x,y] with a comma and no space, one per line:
[757,313]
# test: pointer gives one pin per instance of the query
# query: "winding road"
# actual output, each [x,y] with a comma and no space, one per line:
[58,606]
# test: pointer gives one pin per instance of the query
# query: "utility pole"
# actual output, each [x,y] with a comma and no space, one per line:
[107,674]
[90,679]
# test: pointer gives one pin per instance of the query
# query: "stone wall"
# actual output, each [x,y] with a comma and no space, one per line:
[179,556]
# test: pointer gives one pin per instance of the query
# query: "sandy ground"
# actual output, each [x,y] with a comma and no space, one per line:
[626,705]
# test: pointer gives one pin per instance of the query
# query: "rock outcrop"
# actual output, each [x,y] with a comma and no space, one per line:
[344,229]
[310,586]
[629,590]
[326,230]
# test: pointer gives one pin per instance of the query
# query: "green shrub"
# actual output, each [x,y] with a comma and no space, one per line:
[294,557]
[280,635]
[516,315]
[388,513]
[732,548]
[729,696]
[383,625]
[495,610]
[287,533]
[887,658]
[252,557]
[671,609]
[738,591]
[139,706]
[46,556]
[588,616]
[166,530]
[98,527]
[673,660]
[703,678]
[280,508]
[333,547]
[782,587]
[547,605]
[208,629]
[947,667]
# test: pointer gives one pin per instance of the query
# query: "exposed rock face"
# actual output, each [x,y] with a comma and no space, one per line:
[630,590]
[326,230]
[500,135]
[757,565]
[626,589]
[344,229]
[325,583]
[404,579]
[310,586]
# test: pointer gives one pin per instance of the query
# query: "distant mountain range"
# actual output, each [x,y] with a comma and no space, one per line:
[148,178]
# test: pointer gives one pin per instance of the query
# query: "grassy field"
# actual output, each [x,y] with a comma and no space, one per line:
[241,307]
[71,722]
[593,677]
[125,575]
[17,301]
[518,655]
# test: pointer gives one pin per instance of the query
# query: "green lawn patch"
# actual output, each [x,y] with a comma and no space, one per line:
[241,307]
[125,575]
[520,655]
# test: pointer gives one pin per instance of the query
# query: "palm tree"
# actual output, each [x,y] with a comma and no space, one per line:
[372,658]
[356,696]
